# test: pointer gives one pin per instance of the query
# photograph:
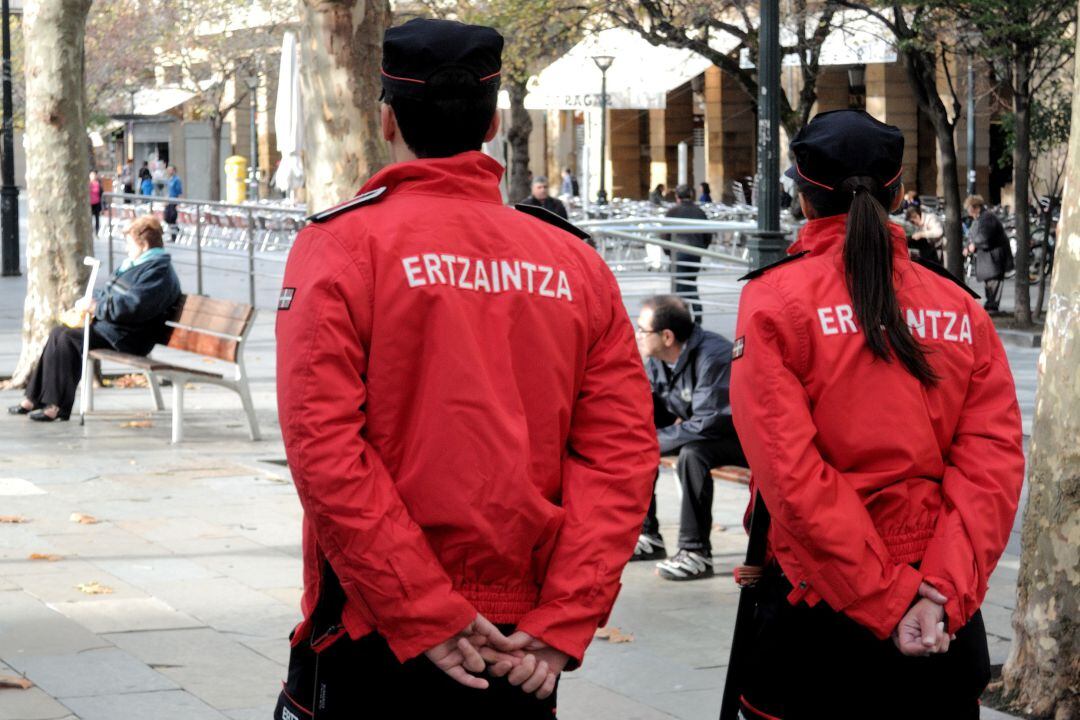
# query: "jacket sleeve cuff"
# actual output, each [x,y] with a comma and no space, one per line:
[431,626]
[570,636]
[954,616]
[897,603]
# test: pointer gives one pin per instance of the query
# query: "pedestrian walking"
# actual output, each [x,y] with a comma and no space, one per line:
[95,200]
[875,405]
[465,415]
[688,370]
[174,188]
[989,244]
[146,182]
[539,197]
[569,187]
[685,266]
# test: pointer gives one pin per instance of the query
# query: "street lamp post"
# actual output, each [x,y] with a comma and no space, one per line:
[971,127]
[768,244]
[603,62]
[9,193]
[130,160]
[253,166]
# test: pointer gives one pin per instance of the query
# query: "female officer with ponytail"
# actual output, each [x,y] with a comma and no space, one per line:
[876,407]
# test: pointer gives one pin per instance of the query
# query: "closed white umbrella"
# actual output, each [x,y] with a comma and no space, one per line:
[288,118]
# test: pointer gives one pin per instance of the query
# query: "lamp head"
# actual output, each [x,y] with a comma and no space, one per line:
[603,61]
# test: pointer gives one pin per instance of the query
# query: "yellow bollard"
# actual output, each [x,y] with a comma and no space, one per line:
[236,179]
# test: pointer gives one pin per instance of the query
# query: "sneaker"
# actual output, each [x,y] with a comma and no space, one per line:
[686,565]
[649,547]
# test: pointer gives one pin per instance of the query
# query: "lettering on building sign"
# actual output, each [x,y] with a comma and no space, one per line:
[486,275]
[925,324]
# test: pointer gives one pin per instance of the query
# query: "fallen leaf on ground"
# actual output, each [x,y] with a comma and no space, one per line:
[46,556]
[13,519]
[14,681]
[93,588]
[614,635]
[137,424]
[83,519]
[130,381]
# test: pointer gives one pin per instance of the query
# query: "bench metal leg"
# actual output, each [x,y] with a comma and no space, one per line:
[178,409]
[249,409]
[155,390]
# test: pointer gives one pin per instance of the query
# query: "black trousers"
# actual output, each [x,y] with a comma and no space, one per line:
[353,680]
[684,282]
[993,290]
[56,374]
[807,663]
[696,459]
[95,210]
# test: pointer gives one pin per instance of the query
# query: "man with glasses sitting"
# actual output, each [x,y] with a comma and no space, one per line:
[689,369]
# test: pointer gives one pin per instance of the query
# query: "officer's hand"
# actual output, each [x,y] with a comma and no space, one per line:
[459,655]
[531,663]
[930,592]
[922,630]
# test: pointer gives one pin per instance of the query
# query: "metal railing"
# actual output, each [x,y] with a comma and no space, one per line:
[238,238]
[218,241]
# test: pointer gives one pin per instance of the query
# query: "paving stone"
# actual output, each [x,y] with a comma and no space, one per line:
[254,713]
[62,587]
[260,569]
[29,629]
[168,705]
[146,571]
[582,699]
[32,704]
[12,486]
[125,615]
[107,671]
[209,665]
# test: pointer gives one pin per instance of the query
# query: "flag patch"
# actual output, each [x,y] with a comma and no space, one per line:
[285,299]
[737,348]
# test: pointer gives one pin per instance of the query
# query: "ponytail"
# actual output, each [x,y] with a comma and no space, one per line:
[868,269]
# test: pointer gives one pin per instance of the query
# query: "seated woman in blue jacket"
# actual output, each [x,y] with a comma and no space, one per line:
[128,315]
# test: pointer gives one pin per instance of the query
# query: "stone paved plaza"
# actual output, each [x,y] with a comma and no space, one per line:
[199,546]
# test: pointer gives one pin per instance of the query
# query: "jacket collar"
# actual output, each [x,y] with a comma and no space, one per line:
[826,235]
[470,175]
[691,345]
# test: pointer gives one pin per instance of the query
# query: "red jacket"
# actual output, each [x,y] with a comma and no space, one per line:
[465,413]
[864,471]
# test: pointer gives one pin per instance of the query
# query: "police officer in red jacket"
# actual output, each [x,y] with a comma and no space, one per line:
[466,417]
[877,410]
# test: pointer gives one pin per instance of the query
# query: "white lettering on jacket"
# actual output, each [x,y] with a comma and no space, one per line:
[925,323]
[488,276]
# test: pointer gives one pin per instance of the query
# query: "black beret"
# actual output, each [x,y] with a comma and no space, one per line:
[417,50]
[840,144]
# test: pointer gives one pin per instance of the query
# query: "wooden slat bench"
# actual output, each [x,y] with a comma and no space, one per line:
[730,473]
[206,328]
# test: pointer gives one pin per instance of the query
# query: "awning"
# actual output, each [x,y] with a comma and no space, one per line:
[639,79]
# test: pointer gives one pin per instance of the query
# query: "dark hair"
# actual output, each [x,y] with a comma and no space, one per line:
[912,212]
[670,313]
[684,192]
[868,267]
[705,189]
[453,118]
[659,187]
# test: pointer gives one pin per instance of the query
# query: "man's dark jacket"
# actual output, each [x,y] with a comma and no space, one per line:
[696,391]
[993,256]
[133,307]
[689,210]
[549,203]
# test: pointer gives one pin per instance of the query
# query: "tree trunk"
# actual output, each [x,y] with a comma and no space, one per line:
[56,169]
[518,137]
[1021,180]
[921,70]
[341,53]
[1041,674]
[217,121]
[950,180]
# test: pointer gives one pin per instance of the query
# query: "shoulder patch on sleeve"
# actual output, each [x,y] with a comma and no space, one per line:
[552,219]
[359,201]
[943,272]
[765,268]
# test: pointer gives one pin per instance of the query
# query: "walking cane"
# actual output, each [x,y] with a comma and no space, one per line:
[86,379]
[746,576]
